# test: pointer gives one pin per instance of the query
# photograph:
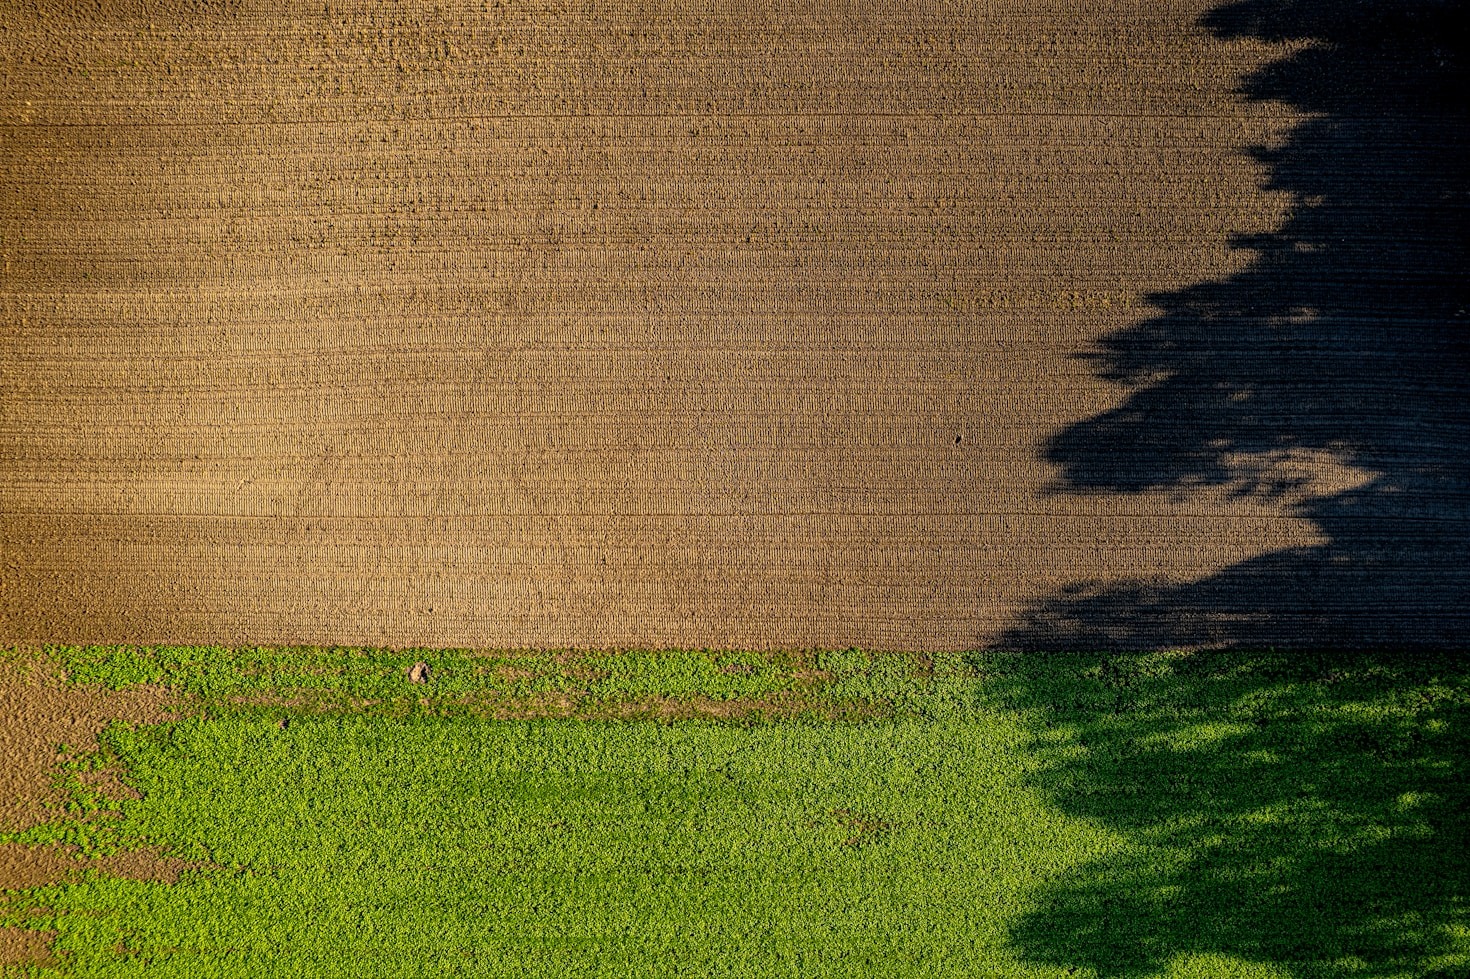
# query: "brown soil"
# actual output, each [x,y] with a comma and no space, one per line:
[21,946]
[39,712]
[767,707]
[624,324]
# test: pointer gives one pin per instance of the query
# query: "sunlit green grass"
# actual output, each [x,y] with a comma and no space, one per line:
[838,814]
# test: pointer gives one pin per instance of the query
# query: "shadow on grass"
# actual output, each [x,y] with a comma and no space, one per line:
[1302,811]
[1306,811]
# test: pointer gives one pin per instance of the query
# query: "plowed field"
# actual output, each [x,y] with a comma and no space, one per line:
[742,325]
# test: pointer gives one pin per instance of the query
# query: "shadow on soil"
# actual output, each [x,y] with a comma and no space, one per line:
[1331,837]
[1343,341]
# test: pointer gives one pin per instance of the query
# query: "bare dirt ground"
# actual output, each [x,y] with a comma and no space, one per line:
[635,323]
[38,713]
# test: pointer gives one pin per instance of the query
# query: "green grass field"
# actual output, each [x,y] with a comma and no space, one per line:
[839,814]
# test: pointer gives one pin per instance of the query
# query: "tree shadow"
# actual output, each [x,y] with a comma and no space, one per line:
[1304,808]
[1343,343]
[1306,812]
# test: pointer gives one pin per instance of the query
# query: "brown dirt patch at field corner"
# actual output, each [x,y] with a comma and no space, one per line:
[22,946]
[39,711]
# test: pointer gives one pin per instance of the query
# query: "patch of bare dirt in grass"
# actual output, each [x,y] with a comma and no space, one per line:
[272,698]
[512,673]
[574,666]
[39,712]
[552,703]
[109,782]
[21,946]
[23,866]
[775,706]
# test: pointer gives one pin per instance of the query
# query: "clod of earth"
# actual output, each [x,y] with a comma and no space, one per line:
[418,673]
